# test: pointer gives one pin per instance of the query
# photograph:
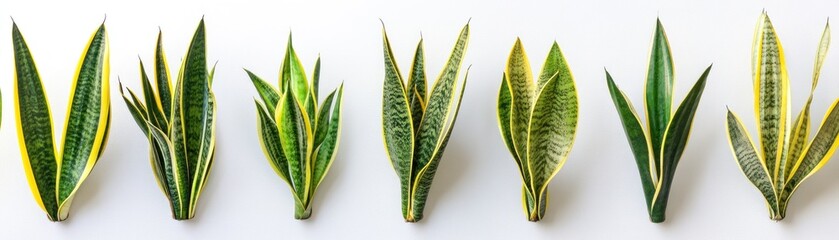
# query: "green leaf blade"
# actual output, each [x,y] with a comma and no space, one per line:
[397,125]
[637,139]
[86,122]
[658,93]
[34,127]
[675,142]
[749,161]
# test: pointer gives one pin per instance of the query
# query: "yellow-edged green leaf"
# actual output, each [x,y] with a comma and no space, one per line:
[439,105]
[816,153]
[417,86]
[397,124]
[771,97]
[658,94]
[522,89]
[34,128]
[294,131]
[553,125]
[637,139]
[326,151]
[86,124]
[426,174]
[292,73]
[268,93]
[675,142]
[749,161]
[162,82]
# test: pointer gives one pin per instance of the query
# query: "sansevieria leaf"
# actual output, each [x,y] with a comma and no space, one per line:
[179,124]
[538,121]
[416,126]
[786,155]
[658,149]
[298,136]
[56,171]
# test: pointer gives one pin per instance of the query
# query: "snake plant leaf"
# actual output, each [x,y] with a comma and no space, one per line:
[637,139]
[504,105]
[295,133]
[749,160]
[292,73]
[658,92]
[179,124]
[549,116]
[417,128]
[270,95]
[522,89]
[658,150]
[787,155]
[771,93]
[327,147]
[299,138]
[55,181]
[322,125]
[417,86]
[269,139]
[675,141]
[161,70]
[397,125]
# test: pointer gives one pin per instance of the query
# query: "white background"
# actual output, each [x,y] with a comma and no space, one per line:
[476,193]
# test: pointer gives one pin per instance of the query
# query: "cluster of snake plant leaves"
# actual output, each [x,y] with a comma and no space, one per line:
[55,175]
[538,121]
[787,157]
[298,136]
[179,124]
[417,125]
[658,150]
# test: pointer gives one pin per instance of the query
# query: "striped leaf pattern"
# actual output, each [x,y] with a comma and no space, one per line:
[56,174]
[298,137]
[179,124]
[658,149]
[538,121]
[416,126]
[787,155]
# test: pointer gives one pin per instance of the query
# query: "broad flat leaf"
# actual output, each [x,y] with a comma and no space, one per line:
[397,125]
[34,128]
[439,105]
[675,141]
[637,139]
[658,94]
[552,128]
[749,161]
[87,120]
[554,63]
[522,90]
[771,93]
